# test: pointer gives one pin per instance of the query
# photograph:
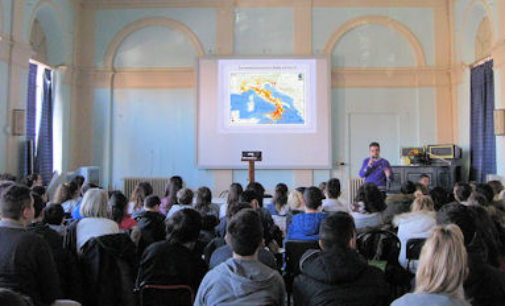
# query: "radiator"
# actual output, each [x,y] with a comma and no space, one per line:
[353,185]
[158,183]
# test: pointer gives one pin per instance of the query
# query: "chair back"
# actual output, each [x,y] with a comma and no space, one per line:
[159,295]
[414,247]
[294,251]
[379,245]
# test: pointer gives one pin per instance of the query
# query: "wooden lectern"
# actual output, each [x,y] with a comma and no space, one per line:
[251,157]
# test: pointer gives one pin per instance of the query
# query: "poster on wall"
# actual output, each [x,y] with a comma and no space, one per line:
[267,95]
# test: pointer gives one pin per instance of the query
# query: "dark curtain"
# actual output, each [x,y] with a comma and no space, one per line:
[482,138]
[30,117]
[44,160]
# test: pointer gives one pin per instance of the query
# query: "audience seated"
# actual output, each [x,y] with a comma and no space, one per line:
[242,280]
[204,203]
[424,179]
[119,205]
[332,193]
[26,261]
[150,224]
[399,203]
[224,252]
[306,226]
[296,204]
[337,275]
[67,195]
[279,208]
[462,192]
[485,284]
[54,217]
[173,186]
[419,223]
[234,193]
[139,194]
[369,207]
[173,261]
[76,213]
[40,191]
[439,197]
[441,272]
[184,201]
[32,180]
[95,222]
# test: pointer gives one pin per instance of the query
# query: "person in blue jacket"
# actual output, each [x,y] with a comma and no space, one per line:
[306,226]
[376,169]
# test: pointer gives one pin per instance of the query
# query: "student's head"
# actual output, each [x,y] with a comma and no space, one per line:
[185,196]
[66,191]
[141,191]
[295,200]
[251,197]
[16,203]
[4,185]
[462,191]
[462,217]
[281,195]
[41,191]
[313,197]
[477,199]
[322,186]
[87,187]
[152,202]
[424,179]
[421,189]
[443,263]
[235,207]
[486,191]
[259,190]
[375,149]
[234,193]
[184,226]
[203,198]
[33,179]
[54,214]
[337,231]
[408,187]
[372,198]
[94,204]
[79,180]
[118,204]
[439,197]
[422,203]
[38,205]
[173,186]
[497,187]
[245,232]
[333,188]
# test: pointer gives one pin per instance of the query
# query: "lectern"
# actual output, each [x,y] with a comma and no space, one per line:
[251,157]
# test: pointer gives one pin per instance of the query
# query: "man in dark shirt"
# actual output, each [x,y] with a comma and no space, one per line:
[26,263]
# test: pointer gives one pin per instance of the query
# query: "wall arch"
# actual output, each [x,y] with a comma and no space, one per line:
[115,43]
[378,20]
[475,4]
[41,4]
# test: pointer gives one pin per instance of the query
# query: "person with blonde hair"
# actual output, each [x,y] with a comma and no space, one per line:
[95,213]
[441,272]
[418,223]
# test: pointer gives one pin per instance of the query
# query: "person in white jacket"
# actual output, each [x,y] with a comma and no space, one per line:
[418,223]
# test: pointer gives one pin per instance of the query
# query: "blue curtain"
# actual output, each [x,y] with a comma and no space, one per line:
[482,138]
[30,117]
[44,160]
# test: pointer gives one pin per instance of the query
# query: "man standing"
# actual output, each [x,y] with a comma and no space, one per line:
[376,169]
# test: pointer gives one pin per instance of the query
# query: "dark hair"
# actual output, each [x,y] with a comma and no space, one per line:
[439,197]
[151,201]
[14,200]
[374,144]
[53,214]
[280,196]
[118,204]
[487,233]
[38,204]
[372,197]
[9,297]
[234,193]
[40,190]
[248,195]
[30,179]
[461,216]
[235,207]
[209,222]
[322,186]
[408,187]
[313,197]
[478,199]
[497,186]
[8,177]
[424,175]
[79,180]
[141,191]
[259,190]
[245,232]
[337,230]
[301,189]
[87,187]
[203,199]
[462,191]
[185,196]
[174,185]
[65,192]
[333,188]
[184,226]
[486,191]
[4,185]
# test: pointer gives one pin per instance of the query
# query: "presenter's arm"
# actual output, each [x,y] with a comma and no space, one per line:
[389,172]
[365,168]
